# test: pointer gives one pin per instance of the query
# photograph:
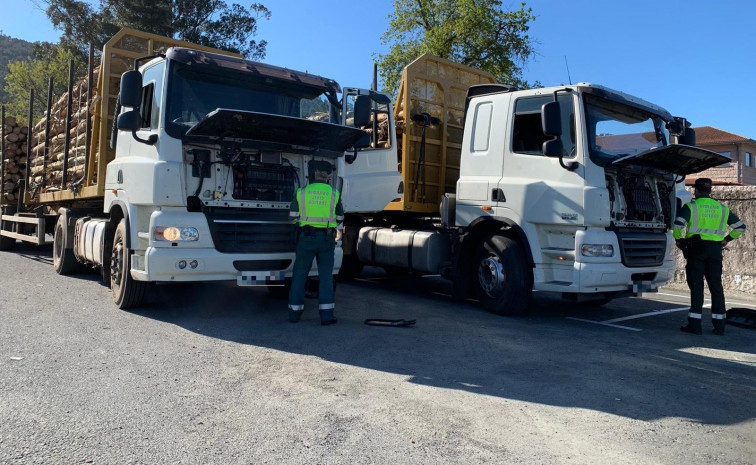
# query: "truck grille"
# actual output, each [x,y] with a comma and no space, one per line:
[642,249]
[252,231]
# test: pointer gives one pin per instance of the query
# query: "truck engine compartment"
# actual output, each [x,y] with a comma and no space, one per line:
[640,200]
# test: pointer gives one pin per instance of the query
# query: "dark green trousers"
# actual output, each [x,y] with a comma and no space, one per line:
[319,245]
[704,261]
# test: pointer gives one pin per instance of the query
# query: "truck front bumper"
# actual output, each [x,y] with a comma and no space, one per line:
[162,264]
[589,278]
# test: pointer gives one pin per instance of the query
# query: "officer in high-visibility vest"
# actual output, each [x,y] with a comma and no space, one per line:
[707,222]
[319,214]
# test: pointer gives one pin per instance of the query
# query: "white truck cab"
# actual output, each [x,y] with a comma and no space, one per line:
[567,189]
[210,151]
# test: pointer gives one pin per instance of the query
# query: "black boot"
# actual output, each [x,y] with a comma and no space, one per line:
[693,326]
[326,317]
[294,316]
[719,326]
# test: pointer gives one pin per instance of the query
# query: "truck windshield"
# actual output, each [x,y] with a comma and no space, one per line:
[616,130]
[193,92]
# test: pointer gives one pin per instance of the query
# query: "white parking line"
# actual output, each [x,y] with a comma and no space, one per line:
[602,323]
[632,317]
[655,312]
[729,302]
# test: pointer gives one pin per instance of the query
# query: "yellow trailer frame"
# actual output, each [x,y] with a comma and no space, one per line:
[438,87]
[118,56]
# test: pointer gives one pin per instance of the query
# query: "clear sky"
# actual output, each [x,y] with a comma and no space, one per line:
[696,58]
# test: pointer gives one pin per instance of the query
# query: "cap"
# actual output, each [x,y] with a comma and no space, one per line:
[321,165]
[703,184]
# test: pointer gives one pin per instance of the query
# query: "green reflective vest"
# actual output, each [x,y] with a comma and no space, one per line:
[708,219]
[317,205]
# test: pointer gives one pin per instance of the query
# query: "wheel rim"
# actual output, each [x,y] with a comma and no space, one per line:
[58,243]
[491,275]
[116,260]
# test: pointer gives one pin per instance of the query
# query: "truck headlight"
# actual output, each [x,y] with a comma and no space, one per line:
[597,250]
[175,234]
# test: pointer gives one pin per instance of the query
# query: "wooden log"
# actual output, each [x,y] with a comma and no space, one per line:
[10,121]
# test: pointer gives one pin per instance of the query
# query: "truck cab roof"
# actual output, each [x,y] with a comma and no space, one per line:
[191,57]
[583,87]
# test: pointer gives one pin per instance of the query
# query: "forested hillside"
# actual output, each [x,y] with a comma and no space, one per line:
[11,50]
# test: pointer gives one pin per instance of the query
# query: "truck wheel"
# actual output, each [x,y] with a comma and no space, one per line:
[107,247]
[350,269]
[127,293]
[504,281]
[6,243]
[64,261]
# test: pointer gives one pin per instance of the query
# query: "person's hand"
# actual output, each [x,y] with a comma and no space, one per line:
[338,235]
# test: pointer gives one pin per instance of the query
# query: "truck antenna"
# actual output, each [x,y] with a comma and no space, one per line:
[568,69]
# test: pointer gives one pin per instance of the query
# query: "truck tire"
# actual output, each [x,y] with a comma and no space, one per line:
[127,293]
[64,260]
[503,278]
[107,247]
[6,243]
[350,269]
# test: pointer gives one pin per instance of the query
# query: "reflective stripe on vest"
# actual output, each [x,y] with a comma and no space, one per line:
[317,221]
[705,222]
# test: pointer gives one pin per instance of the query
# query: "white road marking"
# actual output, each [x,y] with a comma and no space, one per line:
[653,313]
[729,302]
[633,317]
[602,323]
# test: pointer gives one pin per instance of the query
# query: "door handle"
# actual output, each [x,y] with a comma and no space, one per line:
[497,195]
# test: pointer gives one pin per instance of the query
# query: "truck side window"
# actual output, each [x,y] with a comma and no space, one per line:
[377,128]
[527,133]
[151,95]
[145,110]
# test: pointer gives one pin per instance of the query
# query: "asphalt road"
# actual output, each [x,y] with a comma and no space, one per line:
[213,374]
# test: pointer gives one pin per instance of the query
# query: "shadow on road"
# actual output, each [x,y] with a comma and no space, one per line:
[541,358]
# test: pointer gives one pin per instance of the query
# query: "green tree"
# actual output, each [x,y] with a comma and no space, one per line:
[476,33]
[214,23]
[11,50]
[34,73]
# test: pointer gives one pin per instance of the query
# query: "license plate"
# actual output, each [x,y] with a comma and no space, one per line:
[643,286]
[260,278]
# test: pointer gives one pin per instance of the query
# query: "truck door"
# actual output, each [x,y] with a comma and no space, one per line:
[534,187]
[371,179]
[483,152]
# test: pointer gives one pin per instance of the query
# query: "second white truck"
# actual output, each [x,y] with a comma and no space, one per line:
[568,189]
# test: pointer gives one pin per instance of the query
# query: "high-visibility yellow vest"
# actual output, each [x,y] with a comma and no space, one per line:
[317,205]
[708,219]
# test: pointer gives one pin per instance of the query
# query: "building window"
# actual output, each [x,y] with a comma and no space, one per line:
[749,159]
[728,155]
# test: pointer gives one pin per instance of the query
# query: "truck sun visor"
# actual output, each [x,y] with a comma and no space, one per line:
[314,135]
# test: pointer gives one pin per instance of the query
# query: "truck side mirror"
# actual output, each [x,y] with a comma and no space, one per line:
[130,121]
[362,106]
[551,119]
[553,148]
[131,89]
[687,138]
[363,142]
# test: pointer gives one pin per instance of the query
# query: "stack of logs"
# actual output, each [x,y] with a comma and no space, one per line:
[14,158]
[47,174]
